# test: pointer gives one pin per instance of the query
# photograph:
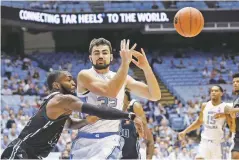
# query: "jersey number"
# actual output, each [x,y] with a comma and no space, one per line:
[210,119]
[104,101]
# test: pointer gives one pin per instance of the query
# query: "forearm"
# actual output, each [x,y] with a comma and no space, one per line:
[153,86]
[150,145]
[117,82]
[74,104]
[235,110]
[104,112]
[195,125]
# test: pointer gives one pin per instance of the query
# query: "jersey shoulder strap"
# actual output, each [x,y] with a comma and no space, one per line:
[131,105]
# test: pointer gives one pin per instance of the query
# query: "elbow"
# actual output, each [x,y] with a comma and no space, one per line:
[111,93]
[155,97]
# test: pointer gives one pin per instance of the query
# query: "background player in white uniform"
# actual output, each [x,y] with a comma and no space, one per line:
[212,135]
[101,86]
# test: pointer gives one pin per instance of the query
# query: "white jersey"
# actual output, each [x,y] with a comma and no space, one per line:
[213,128]
[103,125]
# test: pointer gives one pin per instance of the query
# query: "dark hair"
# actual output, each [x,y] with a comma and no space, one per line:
[52,77]
[236,75]
[220,88]
[128,95]
[99,41]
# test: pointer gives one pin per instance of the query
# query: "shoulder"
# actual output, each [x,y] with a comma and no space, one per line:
[84,72]
[236,103]
[59,98]
[136,105]
[204,104]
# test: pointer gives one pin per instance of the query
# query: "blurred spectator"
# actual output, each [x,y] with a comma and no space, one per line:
[5,141]
[172,65]
[32,90]
[12,134]
[165,130]
[155,6]
[212,81]
[181,64]
[192,67]
[174,155]
[184,154]
[157,154]
[10,121]
[221,80]
[36,74]
[206,73]
[8,70]
[6,90]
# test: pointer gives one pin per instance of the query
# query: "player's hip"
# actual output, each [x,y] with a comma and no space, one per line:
[85,139]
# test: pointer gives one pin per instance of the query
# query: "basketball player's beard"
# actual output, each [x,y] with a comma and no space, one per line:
[100,67]
[66,91]
[237,92]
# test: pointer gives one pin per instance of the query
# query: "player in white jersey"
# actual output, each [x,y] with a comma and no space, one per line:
[212,136]
[99,85]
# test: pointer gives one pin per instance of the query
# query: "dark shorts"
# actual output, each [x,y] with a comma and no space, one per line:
[236,144]
[17,149]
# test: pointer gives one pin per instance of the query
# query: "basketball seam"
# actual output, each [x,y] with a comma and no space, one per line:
[199,21]
[180,24]
[190,21]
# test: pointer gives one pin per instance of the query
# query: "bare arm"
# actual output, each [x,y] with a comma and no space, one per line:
[150,144]
[138,110]
[195,125]
[73,123]
[231,123]
[150,91]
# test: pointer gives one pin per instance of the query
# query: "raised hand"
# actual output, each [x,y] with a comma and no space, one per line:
[142,61]
[125,52]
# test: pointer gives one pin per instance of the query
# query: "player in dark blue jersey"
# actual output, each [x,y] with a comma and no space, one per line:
[234,112]
[129,133]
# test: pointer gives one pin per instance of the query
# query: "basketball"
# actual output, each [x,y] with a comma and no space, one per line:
[188,22]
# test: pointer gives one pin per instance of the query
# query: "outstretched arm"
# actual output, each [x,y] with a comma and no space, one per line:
[151,90]
[195,125]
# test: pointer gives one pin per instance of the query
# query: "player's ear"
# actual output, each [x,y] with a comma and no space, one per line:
[111,57]
[90,57]
[56,85]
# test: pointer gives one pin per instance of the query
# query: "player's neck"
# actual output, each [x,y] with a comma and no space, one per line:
[216,102]
[102,71]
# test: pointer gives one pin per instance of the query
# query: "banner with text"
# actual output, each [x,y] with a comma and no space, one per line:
[108,18]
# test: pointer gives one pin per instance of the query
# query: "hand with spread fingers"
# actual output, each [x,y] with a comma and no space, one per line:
[125,52]
[142,61]
[181,135]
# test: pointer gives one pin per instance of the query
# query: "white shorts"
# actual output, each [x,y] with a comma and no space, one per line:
[142,152]
[209,149]
[109,147]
